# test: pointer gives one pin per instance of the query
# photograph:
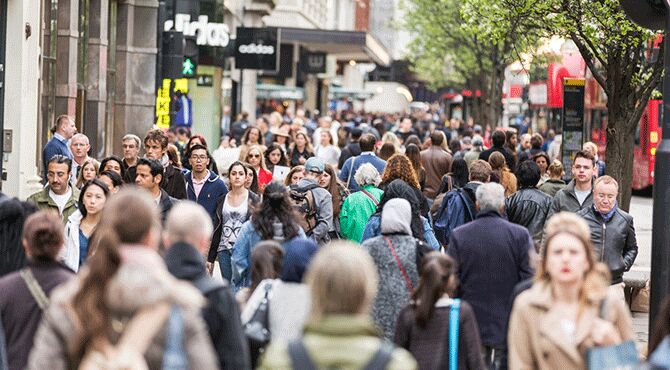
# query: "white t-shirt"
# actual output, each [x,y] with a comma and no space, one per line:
[582,195]
[232,220]
[61,200]
[329,154]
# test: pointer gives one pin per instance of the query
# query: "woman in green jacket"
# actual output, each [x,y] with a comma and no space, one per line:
[359,206]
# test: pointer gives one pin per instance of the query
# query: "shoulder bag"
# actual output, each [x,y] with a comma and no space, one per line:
[257,330]
[618,356]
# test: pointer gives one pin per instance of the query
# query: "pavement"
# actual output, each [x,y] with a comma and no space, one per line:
[641,209]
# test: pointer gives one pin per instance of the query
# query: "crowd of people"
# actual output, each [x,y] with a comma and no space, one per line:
[302,241]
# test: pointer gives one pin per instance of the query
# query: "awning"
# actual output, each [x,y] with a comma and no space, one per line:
[336,92]
[279,92]
[344,45]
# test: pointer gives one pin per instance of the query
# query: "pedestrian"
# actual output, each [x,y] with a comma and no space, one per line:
[512,146]
[232,211]
[225,154]
[500,170]
[394,254]
[202,185]
[124,279]
[554,183]
[272,220]
[534,147]
[239,127]
[473,154]
[413,153]
[188,229]
[359,206]
[342,283]
[563,315]
[612,231]
[294,175]
[112,180]
[542,161]
[493,257]
[87,172]
[251,182]
[326,150]
[600,166]
[254,156]
[172,180]
[266,264]
[405,129]
[353,148]
[82,224]
[301,150]
[351,165]
[131,153]
[424,323]
[498,140]
[528,206]
[79,146]
[58,195]
[174,158]
[420,226]
[25,293]
[387,150]
[457,178]
[199,140]
[62,131]
[577,195]
[149,176]
[13,214]
[275,156]
[252,137]
[282,137]
[339,193]
[112,163]
[400,167]
[314,204]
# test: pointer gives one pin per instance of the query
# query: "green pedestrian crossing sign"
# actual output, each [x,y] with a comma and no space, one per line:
[188,68]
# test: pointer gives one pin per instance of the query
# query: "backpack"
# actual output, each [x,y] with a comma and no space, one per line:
[303,202]
[457,209]
[301,360]
[128,352]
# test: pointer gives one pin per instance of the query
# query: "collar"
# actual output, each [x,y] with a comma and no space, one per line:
[489,214]
[342,325]
[368,153]
[198,182]
[606,216]
[60,137]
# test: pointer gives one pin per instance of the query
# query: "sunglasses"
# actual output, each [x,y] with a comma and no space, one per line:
[254,156]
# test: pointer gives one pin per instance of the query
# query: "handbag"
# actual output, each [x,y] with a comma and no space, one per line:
[618,356]
[257,330]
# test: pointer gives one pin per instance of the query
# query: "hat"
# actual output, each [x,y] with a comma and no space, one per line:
[467,140]
[356,132]
[279,132]
[477,141]
[298,253]
[315,165]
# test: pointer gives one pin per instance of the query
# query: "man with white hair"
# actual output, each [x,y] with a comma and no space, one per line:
[79,146]
[359,206]
[188,229]
[492,256]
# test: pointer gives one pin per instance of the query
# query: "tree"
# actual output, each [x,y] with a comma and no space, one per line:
[613,48]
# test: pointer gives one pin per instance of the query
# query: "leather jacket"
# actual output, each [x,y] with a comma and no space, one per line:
[613,241]
[529,207]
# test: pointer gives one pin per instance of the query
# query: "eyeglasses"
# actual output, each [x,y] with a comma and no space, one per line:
[199,158]
[254,155]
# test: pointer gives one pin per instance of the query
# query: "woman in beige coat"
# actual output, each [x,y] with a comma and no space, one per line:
[557,320]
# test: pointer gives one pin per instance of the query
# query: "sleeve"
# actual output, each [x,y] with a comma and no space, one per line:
[452,250]
[519,346]
[525,248]
[429,235]
[180,186]
[344,173]
[345,221]
[198,344]
[240,257]
[623,321]
[324,217]
[231,344]
[371,229]
[554,207]
[630,249]
[48,349]
[402,329]
[470,339]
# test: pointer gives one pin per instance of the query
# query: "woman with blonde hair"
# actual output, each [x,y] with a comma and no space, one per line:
[87,172]
[254,157]
[568,310]
[505,177]
[390,137]
[343,283]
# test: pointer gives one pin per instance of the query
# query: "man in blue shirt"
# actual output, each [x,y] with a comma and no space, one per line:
[367,155]
[63,130]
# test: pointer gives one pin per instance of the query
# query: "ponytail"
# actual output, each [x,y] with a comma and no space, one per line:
[437,278]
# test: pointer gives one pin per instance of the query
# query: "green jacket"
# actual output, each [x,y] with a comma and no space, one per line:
[356,210]
[43,201]
[338,341]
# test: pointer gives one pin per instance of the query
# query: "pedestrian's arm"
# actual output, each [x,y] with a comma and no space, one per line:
[345,220]
[233,350]
[526,247]
[344,173]
[48,348]
[470,339]
[240,256]
[324,217]
[429,235]
[630,249]
[519,348]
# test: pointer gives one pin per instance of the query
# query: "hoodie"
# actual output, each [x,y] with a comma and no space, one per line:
[396,217]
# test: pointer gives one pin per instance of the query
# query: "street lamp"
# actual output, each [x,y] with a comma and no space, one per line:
[654,15]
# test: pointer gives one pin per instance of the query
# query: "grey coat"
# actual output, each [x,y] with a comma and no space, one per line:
[323,202]
[566,200]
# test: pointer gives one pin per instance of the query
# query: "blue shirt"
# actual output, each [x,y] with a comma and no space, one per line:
[57,145]
[83,247]
[347,173]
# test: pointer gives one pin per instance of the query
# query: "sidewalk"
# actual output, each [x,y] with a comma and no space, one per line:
[641,330]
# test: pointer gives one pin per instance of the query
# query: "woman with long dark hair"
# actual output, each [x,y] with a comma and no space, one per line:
[274,220]
[339,192]
[423,325]
[275,156]
[232,211]
[251,181]
[112,163]
[266,264]
[413,153]
[301,149]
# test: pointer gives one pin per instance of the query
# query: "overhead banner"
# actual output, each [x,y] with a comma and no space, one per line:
[573,121]
[313,63]
[257,48]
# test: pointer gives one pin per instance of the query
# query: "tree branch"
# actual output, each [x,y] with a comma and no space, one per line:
[588,58]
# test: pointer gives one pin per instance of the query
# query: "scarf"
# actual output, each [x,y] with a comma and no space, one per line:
[607,216]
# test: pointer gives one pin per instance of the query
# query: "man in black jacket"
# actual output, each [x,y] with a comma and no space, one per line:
[528,207]
[188,230]
[498,138]
[612,231]
[353,148]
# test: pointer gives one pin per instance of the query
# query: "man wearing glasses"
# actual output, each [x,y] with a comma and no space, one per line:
[202,186]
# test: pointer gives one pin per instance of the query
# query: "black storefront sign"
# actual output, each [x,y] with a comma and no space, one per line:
[257,48]
[573,121]
[313,63]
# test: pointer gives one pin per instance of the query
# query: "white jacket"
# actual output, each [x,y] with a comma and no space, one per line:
[70,252]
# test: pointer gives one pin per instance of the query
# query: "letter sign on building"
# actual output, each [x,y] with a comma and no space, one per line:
[257,48]
[313,63]
[210,34]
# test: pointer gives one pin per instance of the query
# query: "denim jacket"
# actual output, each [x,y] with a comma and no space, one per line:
[373,228]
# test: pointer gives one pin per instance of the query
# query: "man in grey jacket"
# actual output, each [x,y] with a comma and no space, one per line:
[612,231]
[323,201]
[577,195]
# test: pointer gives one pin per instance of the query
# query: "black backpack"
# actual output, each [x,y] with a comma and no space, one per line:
[303,202]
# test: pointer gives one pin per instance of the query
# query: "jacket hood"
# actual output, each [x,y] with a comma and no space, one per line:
[397,217]
[305,184]
[189,177]
[185,262]
[75,218]
[298,253]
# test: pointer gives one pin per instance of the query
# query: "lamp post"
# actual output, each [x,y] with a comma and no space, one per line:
[654,15]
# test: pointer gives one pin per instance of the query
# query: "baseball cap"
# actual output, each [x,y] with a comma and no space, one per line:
[315,165]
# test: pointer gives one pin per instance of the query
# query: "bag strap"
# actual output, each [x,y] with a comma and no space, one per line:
[453,333]
[372,198]
[351,171]
[174,356]
[300,358]
[381,358]
[402,270]
[35,289]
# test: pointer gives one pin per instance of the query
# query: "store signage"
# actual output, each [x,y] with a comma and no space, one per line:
[573,121]
[257,48]
[313,63]
[209,34]
[205,80]
[164,97]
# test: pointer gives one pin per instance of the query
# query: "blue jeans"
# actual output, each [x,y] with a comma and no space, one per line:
[226,264]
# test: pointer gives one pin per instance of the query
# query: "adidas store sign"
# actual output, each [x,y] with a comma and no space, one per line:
[210,34]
